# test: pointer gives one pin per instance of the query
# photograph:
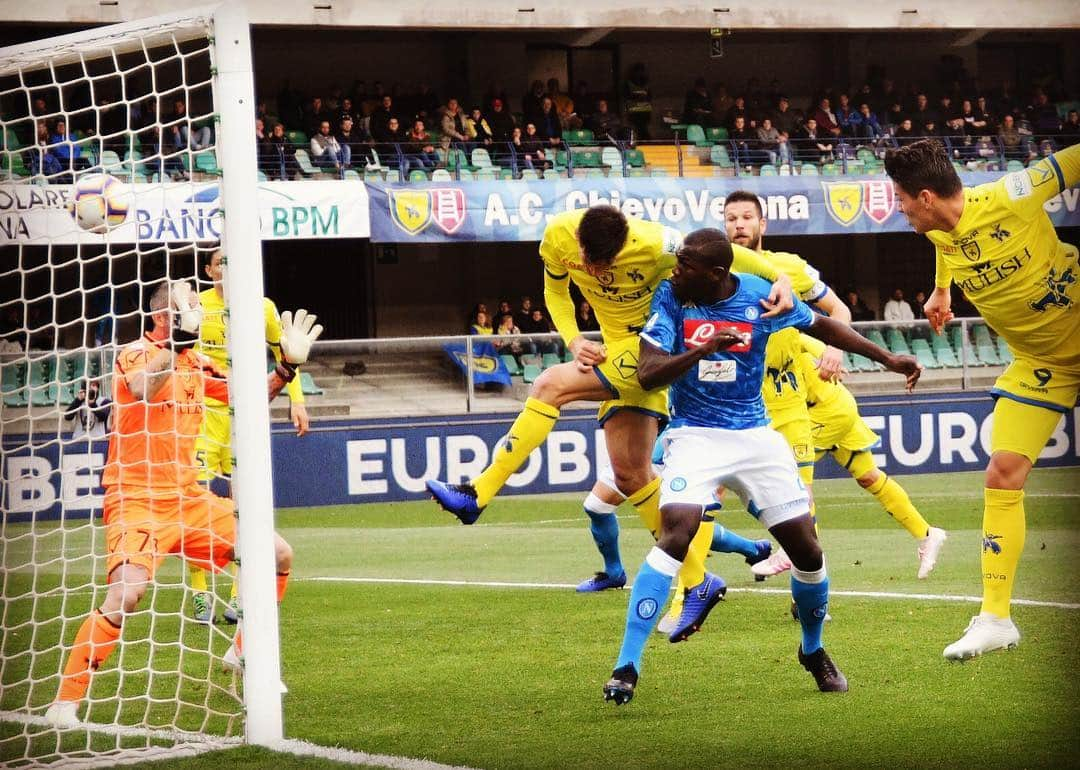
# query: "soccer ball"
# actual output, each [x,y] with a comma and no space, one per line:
[98,202]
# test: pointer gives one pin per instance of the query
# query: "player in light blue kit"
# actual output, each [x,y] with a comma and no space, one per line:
[706,338]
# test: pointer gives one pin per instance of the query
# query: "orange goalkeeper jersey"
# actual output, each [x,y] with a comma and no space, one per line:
[152,446]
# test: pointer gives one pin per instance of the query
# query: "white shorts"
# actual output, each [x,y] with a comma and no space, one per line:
[756,464]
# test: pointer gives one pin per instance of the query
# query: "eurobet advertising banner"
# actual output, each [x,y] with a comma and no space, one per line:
[518,211]
[374,461]
[185,212]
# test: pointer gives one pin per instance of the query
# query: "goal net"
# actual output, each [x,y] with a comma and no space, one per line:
[122,148]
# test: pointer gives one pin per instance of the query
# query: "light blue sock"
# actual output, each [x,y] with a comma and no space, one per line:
[605,533]
[647,597]
[726,541]
[810,590]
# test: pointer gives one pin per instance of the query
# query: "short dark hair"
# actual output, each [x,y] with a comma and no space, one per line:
[602,234]
[923,165]
[744,196]
[710,246]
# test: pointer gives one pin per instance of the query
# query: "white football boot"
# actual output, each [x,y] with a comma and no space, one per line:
[668,622]
[63,715]
[985,633]
[230,661]
[776,563]
[929,548]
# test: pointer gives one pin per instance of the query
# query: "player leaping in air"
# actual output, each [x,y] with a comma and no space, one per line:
[617,263]
[706,338]
[154,505]
[997,243]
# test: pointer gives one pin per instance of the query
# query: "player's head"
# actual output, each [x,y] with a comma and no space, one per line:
[703,265]
[212,262]
[744,219]
[924,179]
[161,304]
[601,235]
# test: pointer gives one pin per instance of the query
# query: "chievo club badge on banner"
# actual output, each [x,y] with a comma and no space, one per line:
[413,210]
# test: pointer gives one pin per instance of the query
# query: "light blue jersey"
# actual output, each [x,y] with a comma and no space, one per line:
[724,389]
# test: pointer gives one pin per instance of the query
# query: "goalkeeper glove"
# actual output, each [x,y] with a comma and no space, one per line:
[297,335]
[186,317]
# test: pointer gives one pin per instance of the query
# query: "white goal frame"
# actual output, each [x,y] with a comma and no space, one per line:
[234,101]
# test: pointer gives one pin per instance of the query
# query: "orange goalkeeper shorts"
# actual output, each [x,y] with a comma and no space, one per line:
[142,528]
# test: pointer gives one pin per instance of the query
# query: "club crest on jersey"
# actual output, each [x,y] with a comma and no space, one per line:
[697,331]
[971,250]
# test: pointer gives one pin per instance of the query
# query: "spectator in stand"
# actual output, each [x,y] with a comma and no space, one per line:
[281,155]
[452,123]
[886,98]
[354,142]
[66,150]
[698,105]
[894,117]
[604,123]
[743,141]
[537,323]
[1070,130]
[982,113]
[477,128]
[638,100]
[535,151]
[326,152]
[1015,144]
[262,111]
[42,159]
[168,163]
[905,133]
[917,306]
[737,109]
[586,319]
[504,309]
[946,110]
[263,151]
[90,413]
[380,119]
[974,124]
[549,127]
[563,104]
[314,114]
[930,129]
[500,121]
[953,132]
[393,138]
[524,313]
[185,136]
[898,311]
[769,142]
[783,119]
[825,118]
[865,123]
[507,326]
[812,147]
[348,109]
[1043,117]
[922,114]
[721,102]
[419,147]
[481,323]
[858,308]
[847,117]
[532,102]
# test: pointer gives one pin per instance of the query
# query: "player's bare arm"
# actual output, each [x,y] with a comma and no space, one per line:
[937,309]
[836,334]
[781,297]
[657,368]
[831,366]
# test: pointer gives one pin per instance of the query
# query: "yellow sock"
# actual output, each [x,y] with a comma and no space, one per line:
[528,432]
[1003,542]
[897,504]
[234,569]
[646,502]
[677,599]
[197,578]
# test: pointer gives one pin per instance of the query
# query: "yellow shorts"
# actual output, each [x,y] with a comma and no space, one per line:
[618,373]
[1030,381]
[213,451]
[797,435]
[838,425]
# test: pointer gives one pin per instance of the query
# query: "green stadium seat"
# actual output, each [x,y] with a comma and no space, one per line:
[808,169]
[550,359]
[611,157]
[531,373]
[531,359]
[206,162]
[638,172]
[418,175]
[72,366]
[353,175]
[303,160]
[658,172]
[635,158]
[579,136]
[441,175]
[768,169]
[695,135]
[486,175]
[830,169]
[506,173]
[372,175]
[43,390]
[943,350]
[308,386]
[988,354]
[586,158]
[716,134]
[13,383]
[981,333]
[481,159]
[718,156]
[875,336]
[465,174]
[1014,165]
[864,364]
[921,349]
[1004,354]
[296,137]
[110,162]
[510,363]
[896,342]
[529,175]
[552,173]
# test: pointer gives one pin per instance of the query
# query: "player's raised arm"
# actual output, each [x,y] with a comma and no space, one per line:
[657,367]
[840,336]
[297,337]
[1048,177]
[831,360]
[781,297]
[175,314]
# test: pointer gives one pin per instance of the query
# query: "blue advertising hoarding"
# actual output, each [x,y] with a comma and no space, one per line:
[373,461]
[518,210]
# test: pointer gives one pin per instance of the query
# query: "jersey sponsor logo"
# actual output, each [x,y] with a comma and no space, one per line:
[987,275]
[846,202]
[697,332]
[611,293]
[635,275]
[413,210]
[1018,185]
[1000,234]
[717,371]
[1057,287]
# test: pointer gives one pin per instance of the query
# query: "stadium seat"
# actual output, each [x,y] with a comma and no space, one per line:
[921,349]
[296,138]
[352,175]
[635,158]
[550,359]
[372,175]
[465,175]
[586,159]
[531,372]
[638,172]
[896,342]
[1014,165]
[611,157]
[579,136]
[303,160]
[110,163]
[510,363]
[988,354]
[718,156]
[206,162]
[481,159]
[529,175]
[830,169]
[531,359]
[13,383]
[768,169]
[42,381]
[441,175]
[658,172]
[808,169]
[418,175]
[864,364]
[943,351]
[695,135]
[72,366]
[1004,354]
[875,336]
[506,173]
[308,386]
[486,175]
[551,173]
[716,134]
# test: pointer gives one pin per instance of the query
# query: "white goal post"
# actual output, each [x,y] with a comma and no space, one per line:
[50,582]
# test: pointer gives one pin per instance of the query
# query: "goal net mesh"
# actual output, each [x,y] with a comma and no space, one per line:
[109,186]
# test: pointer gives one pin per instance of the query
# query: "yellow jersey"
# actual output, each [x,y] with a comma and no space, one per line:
[213,337]
[1006,257]
[783,389]
[622,294]
[818,392]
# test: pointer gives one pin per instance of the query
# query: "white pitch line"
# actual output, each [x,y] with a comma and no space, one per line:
[303,748]
[560,586]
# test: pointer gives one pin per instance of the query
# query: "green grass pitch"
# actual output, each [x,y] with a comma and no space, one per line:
[509,676]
